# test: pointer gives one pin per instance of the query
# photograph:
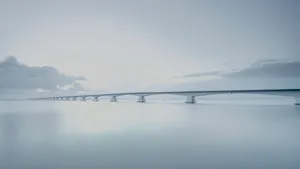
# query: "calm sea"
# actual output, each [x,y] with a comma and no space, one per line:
[160,134]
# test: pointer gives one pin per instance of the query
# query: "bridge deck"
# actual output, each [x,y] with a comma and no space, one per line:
[279,92]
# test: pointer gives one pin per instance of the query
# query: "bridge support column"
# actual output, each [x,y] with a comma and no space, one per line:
[141,99]
[96,99]
[113,99]
[190,100]
[297,101]
[74,99]
[83,99]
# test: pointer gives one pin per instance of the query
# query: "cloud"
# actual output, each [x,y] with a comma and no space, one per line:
[202,74]
[269,69]
[264,74]
[268,61]
[17,76]
[263,68]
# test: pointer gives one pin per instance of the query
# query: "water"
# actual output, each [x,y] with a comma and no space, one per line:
[213,134]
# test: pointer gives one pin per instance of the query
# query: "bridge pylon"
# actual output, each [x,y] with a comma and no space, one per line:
[141,99]
[190,100]
[297,101]
[113,99]
[96,99]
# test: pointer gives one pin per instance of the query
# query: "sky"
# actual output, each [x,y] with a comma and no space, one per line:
[137,44]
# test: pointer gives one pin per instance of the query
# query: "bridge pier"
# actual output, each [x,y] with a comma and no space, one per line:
[113,99]
[96,99]
[83,99]
[74,99]
[297,101]
[141,99]
[190,100]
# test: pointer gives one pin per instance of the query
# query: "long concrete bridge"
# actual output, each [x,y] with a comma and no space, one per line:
[190,95]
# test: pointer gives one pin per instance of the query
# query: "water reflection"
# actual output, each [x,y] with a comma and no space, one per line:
[103,117]
[75,135]
[19,127]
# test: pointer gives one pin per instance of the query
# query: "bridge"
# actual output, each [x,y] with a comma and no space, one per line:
[190,95]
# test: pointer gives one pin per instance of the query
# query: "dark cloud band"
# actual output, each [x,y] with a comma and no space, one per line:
[17,76]
[265,68]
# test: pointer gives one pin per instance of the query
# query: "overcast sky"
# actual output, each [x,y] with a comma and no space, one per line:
[128,44]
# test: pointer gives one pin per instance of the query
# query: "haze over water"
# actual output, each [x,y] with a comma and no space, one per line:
[249,133]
